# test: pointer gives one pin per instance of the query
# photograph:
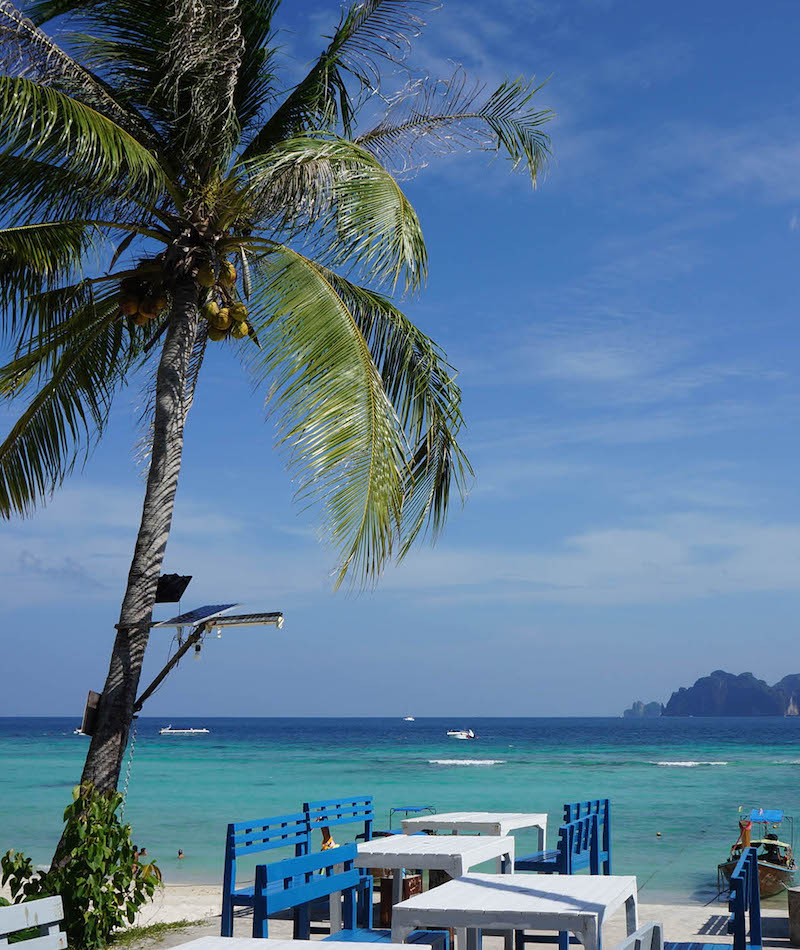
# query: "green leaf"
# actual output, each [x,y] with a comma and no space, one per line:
[349,208]
[45,124]
[352,380]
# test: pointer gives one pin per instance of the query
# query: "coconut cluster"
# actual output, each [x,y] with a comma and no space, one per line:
[141,299]
[225,313]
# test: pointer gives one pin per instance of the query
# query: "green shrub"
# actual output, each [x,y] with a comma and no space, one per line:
[99,880]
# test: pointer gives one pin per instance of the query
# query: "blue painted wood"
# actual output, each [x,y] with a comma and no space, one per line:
[602,808]
[335,812]
[578,848]
[252,837]
[304,879]
[332,812]
[745,902]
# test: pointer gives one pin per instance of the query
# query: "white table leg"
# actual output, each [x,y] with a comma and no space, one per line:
[542,837]
[336,912]
[397,886]
[591,934]
[400,932]
[631,915]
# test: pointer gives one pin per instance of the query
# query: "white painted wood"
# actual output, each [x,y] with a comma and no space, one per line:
[41,913]
[454,854]
[553,902]
[250,943]
[52,941]
[479,822]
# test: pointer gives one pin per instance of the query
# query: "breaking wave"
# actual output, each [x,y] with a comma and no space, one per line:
[689,764]
[466,761]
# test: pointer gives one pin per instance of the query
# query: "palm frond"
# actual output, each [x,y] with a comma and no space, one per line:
[430,118]
[368,31]
[45,124]
[349,209]
[27,51]
[36,256]
[344,443]
[77,375]
[421,387]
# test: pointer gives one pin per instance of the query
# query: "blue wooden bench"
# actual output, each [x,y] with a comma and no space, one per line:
[744,905]
[253,837]
[299,882]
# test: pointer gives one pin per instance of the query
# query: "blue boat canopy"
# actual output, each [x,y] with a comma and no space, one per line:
[771,815]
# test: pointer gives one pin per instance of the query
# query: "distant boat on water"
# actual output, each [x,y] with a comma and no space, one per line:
[461,733]
[79,732]
[409,719]
[169,731]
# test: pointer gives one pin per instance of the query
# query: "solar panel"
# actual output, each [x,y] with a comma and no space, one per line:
[194,617]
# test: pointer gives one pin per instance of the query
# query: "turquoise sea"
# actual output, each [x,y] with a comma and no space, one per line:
[682,777]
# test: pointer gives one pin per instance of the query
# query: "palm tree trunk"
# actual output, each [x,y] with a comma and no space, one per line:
[115,712]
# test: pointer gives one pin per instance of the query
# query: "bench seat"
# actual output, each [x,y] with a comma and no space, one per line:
[538,861]
[438,939]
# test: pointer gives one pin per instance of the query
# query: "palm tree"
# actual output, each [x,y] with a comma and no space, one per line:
[157,133]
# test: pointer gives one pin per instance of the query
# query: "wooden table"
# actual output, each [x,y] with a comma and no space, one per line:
[454,854]
[480,822]
[576,903]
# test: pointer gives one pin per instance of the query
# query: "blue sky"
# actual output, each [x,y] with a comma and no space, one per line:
[626,337]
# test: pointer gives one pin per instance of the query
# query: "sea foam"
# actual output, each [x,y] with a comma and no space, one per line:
[688,764]
[466,761]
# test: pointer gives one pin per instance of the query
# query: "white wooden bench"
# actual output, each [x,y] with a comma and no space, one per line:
[45,914]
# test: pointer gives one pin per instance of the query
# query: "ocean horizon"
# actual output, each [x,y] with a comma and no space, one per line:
[684,778]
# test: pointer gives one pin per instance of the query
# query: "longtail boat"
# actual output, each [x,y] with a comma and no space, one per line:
[776,864]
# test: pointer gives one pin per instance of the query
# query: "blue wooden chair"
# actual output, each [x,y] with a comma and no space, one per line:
[552,862]
[602,808]
[297,883]
[744,904]
[578,848]
[253,837]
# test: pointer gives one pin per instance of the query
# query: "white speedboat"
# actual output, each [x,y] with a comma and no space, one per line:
[409,719]
[169,731]
[79,732]
[461,733]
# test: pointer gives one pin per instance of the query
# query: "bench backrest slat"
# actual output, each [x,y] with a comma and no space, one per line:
[39,913]
[602,808]
[578,845]
[264,834]
[331,812]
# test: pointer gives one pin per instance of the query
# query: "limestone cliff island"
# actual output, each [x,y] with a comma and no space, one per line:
[727,694]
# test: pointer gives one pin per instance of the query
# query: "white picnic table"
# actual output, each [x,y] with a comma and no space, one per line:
[450,853]
[480,822]
[576,903]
